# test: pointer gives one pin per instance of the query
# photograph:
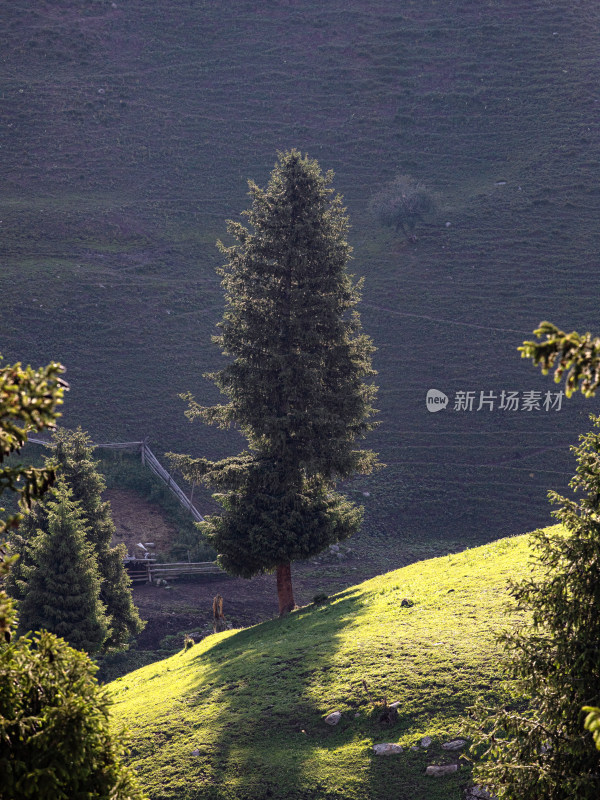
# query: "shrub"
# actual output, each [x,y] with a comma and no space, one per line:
[401,204]
[55,737]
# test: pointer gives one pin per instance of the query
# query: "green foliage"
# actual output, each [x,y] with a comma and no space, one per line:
[76,465]
[56,742]
[28,402]
[55,738]
[401,204]
[62,585]
[592,723]
[577,355]
[295,383]
[538,749]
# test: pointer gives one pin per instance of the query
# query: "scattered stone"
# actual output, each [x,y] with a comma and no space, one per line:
[196,752]
[387,749]
[366,494]
[335,548]
[415,747]
[448,224]
[439,772]
[479,793]
[455,744]
[357,715]
[333,718]
[426,741]
[340,555]
[406,603]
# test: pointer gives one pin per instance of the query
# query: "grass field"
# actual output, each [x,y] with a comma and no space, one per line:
[130,129]
[241,715]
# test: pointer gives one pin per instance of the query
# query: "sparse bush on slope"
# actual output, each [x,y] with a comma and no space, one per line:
[401,204]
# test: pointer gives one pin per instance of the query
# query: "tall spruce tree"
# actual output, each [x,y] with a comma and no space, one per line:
[295,382]
[539,750]
[75,464]
[62,583]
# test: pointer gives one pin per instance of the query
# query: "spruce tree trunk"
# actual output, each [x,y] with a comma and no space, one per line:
[285,591]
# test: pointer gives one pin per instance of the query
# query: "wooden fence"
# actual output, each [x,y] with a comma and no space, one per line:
[149,460]
[142,570]
[177,569]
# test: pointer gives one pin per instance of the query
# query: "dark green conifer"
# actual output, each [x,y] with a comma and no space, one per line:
[62,585]
[73,455]
[295,382]
[538,748]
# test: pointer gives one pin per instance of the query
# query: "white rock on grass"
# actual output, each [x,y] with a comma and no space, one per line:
[455,744]
[387,749]
[333,718]
[196,752]
[426,741]
[439,772]
[396,704]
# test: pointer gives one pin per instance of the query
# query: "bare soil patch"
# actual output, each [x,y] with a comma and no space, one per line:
[137,520]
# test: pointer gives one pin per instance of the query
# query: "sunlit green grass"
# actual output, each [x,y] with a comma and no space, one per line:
[252,702]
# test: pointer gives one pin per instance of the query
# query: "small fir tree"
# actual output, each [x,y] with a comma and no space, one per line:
[73,455]
[542,752]
[296,381]
[62,585]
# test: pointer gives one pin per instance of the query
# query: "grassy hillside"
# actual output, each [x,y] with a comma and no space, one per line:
[240,715]
[130,128]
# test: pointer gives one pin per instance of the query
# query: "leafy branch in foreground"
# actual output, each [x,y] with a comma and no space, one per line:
[540,750]
[572,353]
[592,723]
[28,402]
[56,741]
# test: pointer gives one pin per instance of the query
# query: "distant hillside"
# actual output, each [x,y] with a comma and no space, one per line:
[241,715]
[130,128]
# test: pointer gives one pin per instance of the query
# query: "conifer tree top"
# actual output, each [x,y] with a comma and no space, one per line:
[296,381]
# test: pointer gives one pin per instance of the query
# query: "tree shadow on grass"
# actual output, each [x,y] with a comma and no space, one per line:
[253,711]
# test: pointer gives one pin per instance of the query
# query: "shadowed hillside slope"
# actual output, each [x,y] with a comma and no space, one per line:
[130,129]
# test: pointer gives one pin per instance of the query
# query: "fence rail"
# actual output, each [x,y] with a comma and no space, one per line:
[146,571]
[149,460]
[177,569]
